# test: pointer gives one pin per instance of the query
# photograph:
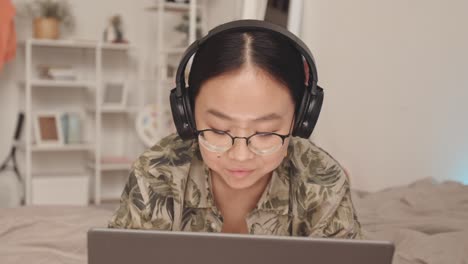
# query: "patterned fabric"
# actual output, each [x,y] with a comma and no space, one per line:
[169,188]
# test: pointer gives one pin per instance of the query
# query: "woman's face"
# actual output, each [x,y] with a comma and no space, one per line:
[244,102]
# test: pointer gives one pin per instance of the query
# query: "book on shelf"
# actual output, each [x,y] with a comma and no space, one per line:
[57,72]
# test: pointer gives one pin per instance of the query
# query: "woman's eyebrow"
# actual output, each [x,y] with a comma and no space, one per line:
[268,117]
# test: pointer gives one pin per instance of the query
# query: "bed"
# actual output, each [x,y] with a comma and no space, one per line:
[427,221]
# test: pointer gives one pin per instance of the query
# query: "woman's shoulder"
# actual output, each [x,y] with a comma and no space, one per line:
[155,186]
[167,157]
[315,167]
[169,146]
[320,193]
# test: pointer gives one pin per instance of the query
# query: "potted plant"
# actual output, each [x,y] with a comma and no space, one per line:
[48,16]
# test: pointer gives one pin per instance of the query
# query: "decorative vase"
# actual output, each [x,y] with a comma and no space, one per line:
[46,28]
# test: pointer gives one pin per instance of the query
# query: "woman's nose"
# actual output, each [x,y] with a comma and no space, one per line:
[240,151]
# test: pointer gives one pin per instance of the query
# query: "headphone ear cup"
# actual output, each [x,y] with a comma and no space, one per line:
[308,113]
[190,117]
[182,115]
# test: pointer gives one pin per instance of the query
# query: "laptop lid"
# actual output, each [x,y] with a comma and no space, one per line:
[124,246]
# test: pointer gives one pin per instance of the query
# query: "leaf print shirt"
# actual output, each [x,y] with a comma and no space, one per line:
[169,188]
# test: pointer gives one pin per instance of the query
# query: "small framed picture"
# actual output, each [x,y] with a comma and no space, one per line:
[114,94]
[48,129]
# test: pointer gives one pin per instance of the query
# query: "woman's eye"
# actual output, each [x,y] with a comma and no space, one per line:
[264,135]
[219,131]
[268,131]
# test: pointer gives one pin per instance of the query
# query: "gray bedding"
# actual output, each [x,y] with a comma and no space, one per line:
[427,221]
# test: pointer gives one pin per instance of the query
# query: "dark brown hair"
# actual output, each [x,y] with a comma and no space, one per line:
[230,51]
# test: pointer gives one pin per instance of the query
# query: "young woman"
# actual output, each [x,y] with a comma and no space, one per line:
[236,167]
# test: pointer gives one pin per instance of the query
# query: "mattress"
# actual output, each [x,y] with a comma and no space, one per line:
[427,221]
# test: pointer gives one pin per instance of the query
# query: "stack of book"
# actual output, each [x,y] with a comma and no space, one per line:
[57,72]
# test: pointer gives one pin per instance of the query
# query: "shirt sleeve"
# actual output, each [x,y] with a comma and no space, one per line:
[333,213]
[147,202]
[153,195]
[137,201]
[129,213]
[343,222]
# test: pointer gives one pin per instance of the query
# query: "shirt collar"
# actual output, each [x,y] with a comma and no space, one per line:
[275,198]
[198,192]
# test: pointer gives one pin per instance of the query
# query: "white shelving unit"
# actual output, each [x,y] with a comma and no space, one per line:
[92,58]
[165,83]
[62,83]
[64,148]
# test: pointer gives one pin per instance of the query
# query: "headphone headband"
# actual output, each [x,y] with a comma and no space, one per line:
[308,108]
[246,25]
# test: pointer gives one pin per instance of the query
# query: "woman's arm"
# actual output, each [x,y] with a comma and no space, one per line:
[138,200]
[325,203]
[343,222]
[129,213]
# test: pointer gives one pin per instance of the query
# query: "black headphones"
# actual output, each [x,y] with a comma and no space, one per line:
[309,108]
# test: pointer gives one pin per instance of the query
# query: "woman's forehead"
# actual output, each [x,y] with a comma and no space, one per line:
[245,93]
[248,72]
[219,114]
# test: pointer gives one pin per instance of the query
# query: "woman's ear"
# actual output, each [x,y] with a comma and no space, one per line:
[306,71]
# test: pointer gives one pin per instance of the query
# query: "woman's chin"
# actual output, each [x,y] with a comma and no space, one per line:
[239,185]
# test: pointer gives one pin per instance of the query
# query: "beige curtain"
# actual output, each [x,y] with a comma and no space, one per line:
[7,32]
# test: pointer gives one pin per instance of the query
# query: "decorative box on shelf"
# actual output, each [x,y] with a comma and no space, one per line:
[113,163]
[60,189]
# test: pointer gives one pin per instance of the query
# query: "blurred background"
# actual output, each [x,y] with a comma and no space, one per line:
[93,78]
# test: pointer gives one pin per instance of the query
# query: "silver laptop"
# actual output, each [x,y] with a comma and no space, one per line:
[125,246]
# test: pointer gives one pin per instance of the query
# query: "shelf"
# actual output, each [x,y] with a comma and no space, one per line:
[74,173]
[64,147]
[175,7]
[60,83]
[84,44]
[116,167]
[113,166]
[119,110]
[64,43]
[116,46]
[116,110]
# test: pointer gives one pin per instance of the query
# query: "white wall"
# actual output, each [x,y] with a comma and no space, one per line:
[395,80]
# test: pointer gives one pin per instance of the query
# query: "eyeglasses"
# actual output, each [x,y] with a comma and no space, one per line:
[261,143]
